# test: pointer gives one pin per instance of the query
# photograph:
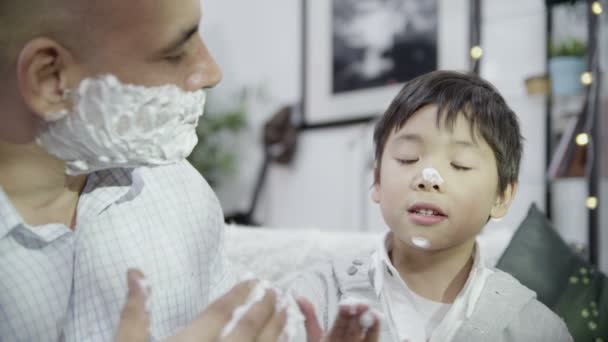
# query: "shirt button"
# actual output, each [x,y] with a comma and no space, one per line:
[352,270]
[357,262]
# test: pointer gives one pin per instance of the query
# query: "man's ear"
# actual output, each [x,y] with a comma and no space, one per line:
[375,194]
[503,201]
[42,72]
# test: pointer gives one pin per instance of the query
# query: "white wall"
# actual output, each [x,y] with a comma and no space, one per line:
[513,37]
[258,43]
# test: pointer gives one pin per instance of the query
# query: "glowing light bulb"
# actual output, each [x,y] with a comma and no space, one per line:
[591,202]
[582,139]
[596,8]
[586,78]
[476,52]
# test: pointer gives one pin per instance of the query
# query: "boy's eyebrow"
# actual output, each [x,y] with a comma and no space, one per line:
[183,38]
[411,137]
[464,143]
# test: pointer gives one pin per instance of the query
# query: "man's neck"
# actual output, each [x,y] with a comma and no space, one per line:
[435,275]
[37,186]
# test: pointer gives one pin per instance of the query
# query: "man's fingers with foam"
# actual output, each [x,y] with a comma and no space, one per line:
[373,333]
[209,325]
[273,331]
[254,320]
[314,333]
[355,330]
[346,326]
[341,324]
[355,322]
[134,323]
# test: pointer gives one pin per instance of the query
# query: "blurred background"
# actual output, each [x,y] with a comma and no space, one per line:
[286,140]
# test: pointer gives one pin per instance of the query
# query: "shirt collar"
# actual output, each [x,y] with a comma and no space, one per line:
[381,264]
[106,187]
[381,261]
[9,218]
[102,189]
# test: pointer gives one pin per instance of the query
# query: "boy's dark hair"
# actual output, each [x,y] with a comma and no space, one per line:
[454,93]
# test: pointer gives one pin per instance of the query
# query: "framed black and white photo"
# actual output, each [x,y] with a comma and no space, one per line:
[358,53]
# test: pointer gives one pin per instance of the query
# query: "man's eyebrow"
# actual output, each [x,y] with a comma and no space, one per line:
[179,41]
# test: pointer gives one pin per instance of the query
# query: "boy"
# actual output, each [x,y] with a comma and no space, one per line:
[447,155]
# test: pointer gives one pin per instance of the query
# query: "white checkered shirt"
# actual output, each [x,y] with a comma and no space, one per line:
[58,284]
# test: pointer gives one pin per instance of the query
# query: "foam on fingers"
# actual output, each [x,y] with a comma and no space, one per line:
[284,300]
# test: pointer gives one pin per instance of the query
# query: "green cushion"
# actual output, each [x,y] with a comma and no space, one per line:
[540,259]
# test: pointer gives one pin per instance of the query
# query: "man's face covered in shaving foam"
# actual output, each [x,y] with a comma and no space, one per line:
[140,98]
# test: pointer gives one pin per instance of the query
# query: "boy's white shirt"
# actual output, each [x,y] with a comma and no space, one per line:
[399,302]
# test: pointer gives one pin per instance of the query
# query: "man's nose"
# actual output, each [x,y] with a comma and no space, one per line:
[214,73]
[208,73]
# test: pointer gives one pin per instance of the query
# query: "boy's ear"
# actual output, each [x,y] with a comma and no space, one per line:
[42,75]
[375,194]
[503,201]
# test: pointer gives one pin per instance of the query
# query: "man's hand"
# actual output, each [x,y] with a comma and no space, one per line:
[134,323]
[347,326]
[261,323]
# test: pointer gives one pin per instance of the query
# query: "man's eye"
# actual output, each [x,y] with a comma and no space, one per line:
[175,59]
[460,167]
[406,161]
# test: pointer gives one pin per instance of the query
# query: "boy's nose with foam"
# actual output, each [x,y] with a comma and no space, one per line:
[430,179]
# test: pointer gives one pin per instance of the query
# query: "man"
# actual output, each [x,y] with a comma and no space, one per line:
[98,104]
[64,238]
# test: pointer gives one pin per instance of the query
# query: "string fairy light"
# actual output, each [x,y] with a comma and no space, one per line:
[582,139]
[476,52]
[596,8]
[586,78]
[591,202]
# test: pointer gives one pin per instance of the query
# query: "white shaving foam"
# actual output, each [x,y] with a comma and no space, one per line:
[116,125]
[352,302]
[367,318]
[432,176]
[284,300]
[255,296]
[144,285]
[421,242]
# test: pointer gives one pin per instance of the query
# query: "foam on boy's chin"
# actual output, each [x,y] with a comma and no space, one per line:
[421,242]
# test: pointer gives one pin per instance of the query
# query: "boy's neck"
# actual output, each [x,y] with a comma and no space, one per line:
[435,275]
[36,184]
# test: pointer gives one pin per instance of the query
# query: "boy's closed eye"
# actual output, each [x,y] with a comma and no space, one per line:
[460,167]
[406,161]
[455,165]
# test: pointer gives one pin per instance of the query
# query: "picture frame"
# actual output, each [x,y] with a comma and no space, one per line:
[326,100]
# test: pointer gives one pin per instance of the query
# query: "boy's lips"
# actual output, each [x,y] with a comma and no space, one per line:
[426,214]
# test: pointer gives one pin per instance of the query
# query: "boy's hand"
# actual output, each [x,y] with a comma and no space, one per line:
[260,323]
[347,326]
